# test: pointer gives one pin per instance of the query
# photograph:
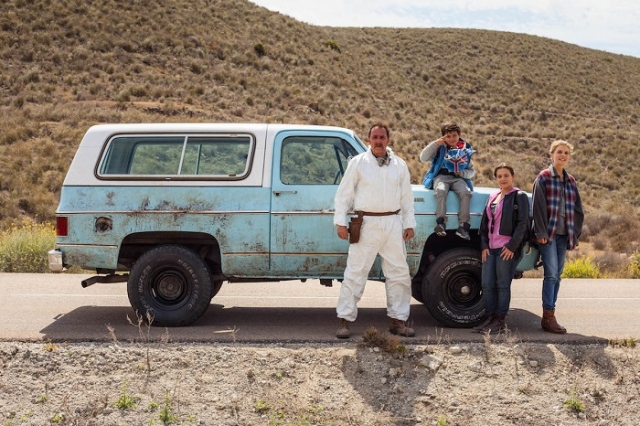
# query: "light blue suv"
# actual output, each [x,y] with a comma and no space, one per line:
[177,209]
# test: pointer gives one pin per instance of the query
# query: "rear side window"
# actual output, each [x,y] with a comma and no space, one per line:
[177,156]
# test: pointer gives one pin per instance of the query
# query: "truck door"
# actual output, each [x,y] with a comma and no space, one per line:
[307,168]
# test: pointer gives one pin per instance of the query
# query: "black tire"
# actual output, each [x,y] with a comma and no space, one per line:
[171,284]
[217,285]
[416,291]
[452,288]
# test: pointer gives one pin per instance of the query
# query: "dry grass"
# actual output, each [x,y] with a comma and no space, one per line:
[69,64]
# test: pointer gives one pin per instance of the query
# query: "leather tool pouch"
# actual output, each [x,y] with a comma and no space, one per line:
[354,228]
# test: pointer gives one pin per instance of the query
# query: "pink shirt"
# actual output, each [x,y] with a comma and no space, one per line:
[495,239]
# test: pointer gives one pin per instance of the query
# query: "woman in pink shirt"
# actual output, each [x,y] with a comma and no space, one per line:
[503,232]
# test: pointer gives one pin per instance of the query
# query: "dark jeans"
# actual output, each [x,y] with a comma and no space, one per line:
[497,275]
[553,255]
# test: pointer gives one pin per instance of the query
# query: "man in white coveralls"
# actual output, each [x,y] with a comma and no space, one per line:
[377,184]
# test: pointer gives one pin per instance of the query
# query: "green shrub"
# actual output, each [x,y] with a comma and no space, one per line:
[634,265]
[333,46]
[262,406]
[126,400]
[582,267]
[574,403]
[24,247]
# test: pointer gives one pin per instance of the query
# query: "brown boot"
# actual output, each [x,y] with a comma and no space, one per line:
[343,329]
[549,322]
[496,326]
[484,324]
[400,328]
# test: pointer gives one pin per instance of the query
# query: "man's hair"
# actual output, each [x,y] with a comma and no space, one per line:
[384,126]
[451,126]
[557,143]
[503,166]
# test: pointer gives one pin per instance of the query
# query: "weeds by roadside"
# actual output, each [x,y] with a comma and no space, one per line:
[634,265]
[24,247]
[574,403]
[126,401]
[618,343]
[582,267]
[385,341]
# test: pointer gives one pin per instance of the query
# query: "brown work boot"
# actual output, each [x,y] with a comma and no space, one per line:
[343,329]
[400,328]
[549,322]
[498,325]
[484,324]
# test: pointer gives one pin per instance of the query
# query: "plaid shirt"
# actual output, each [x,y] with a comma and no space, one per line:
[548,190]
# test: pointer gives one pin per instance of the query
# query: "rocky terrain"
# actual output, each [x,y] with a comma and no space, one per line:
[376,381]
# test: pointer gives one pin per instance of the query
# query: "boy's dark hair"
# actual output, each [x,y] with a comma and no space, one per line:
[503,166]
[450,127]
[384,126]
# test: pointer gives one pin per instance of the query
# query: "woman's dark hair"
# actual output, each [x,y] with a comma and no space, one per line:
[503,166]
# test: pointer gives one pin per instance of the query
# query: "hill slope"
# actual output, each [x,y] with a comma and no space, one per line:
[68,64]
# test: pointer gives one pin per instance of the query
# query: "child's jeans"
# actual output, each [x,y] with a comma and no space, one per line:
[441,186]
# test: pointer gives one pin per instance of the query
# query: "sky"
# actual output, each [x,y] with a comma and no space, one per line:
[609,25]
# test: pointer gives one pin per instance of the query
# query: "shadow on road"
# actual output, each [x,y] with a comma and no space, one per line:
[272,325]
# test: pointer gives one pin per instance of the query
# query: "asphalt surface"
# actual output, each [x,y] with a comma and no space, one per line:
[42,307]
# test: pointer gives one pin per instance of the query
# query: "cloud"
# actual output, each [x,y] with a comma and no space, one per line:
[603,25]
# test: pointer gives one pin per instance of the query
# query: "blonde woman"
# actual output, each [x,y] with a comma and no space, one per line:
[557,224]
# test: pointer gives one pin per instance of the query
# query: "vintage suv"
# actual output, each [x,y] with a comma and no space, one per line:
[177,209]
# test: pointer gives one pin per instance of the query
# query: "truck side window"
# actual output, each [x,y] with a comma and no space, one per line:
[143,155]
[314,160]
[216,156]
[158,156]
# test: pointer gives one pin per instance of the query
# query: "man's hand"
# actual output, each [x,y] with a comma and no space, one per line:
[407,234]
[343,233]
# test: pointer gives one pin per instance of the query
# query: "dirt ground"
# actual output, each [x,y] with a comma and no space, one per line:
[379,380]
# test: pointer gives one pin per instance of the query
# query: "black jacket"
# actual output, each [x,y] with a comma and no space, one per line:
[515,221]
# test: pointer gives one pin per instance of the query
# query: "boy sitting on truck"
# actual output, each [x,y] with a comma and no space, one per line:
[451,168]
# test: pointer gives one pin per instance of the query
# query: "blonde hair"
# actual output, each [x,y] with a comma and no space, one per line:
[555,144]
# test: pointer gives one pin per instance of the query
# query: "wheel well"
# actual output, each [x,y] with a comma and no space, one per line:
[205,245]
[435,246]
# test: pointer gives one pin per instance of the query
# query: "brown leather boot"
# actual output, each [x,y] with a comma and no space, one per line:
[400,328]
[498,325]
[484,323]
[549,322]
[343,329]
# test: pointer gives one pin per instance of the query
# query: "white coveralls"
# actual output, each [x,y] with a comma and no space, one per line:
[370,187]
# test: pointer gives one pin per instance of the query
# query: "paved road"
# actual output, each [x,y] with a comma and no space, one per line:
[56,307]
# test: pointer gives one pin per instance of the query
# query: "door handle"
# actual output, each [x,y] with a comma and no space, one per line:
[278,193]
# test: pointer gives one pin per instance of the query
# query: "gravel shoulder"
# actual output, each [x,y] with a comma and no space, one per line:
[382,381]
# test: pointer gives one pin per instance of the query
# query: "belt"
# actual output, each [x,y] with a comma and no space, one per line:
[378,214]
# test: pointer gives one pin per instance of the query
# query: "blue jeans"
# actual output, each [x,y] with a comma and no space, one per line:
[497,275]
[553,255]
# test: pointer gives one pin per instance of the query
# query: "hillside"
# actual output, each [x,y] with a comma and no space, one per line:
[68,64]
